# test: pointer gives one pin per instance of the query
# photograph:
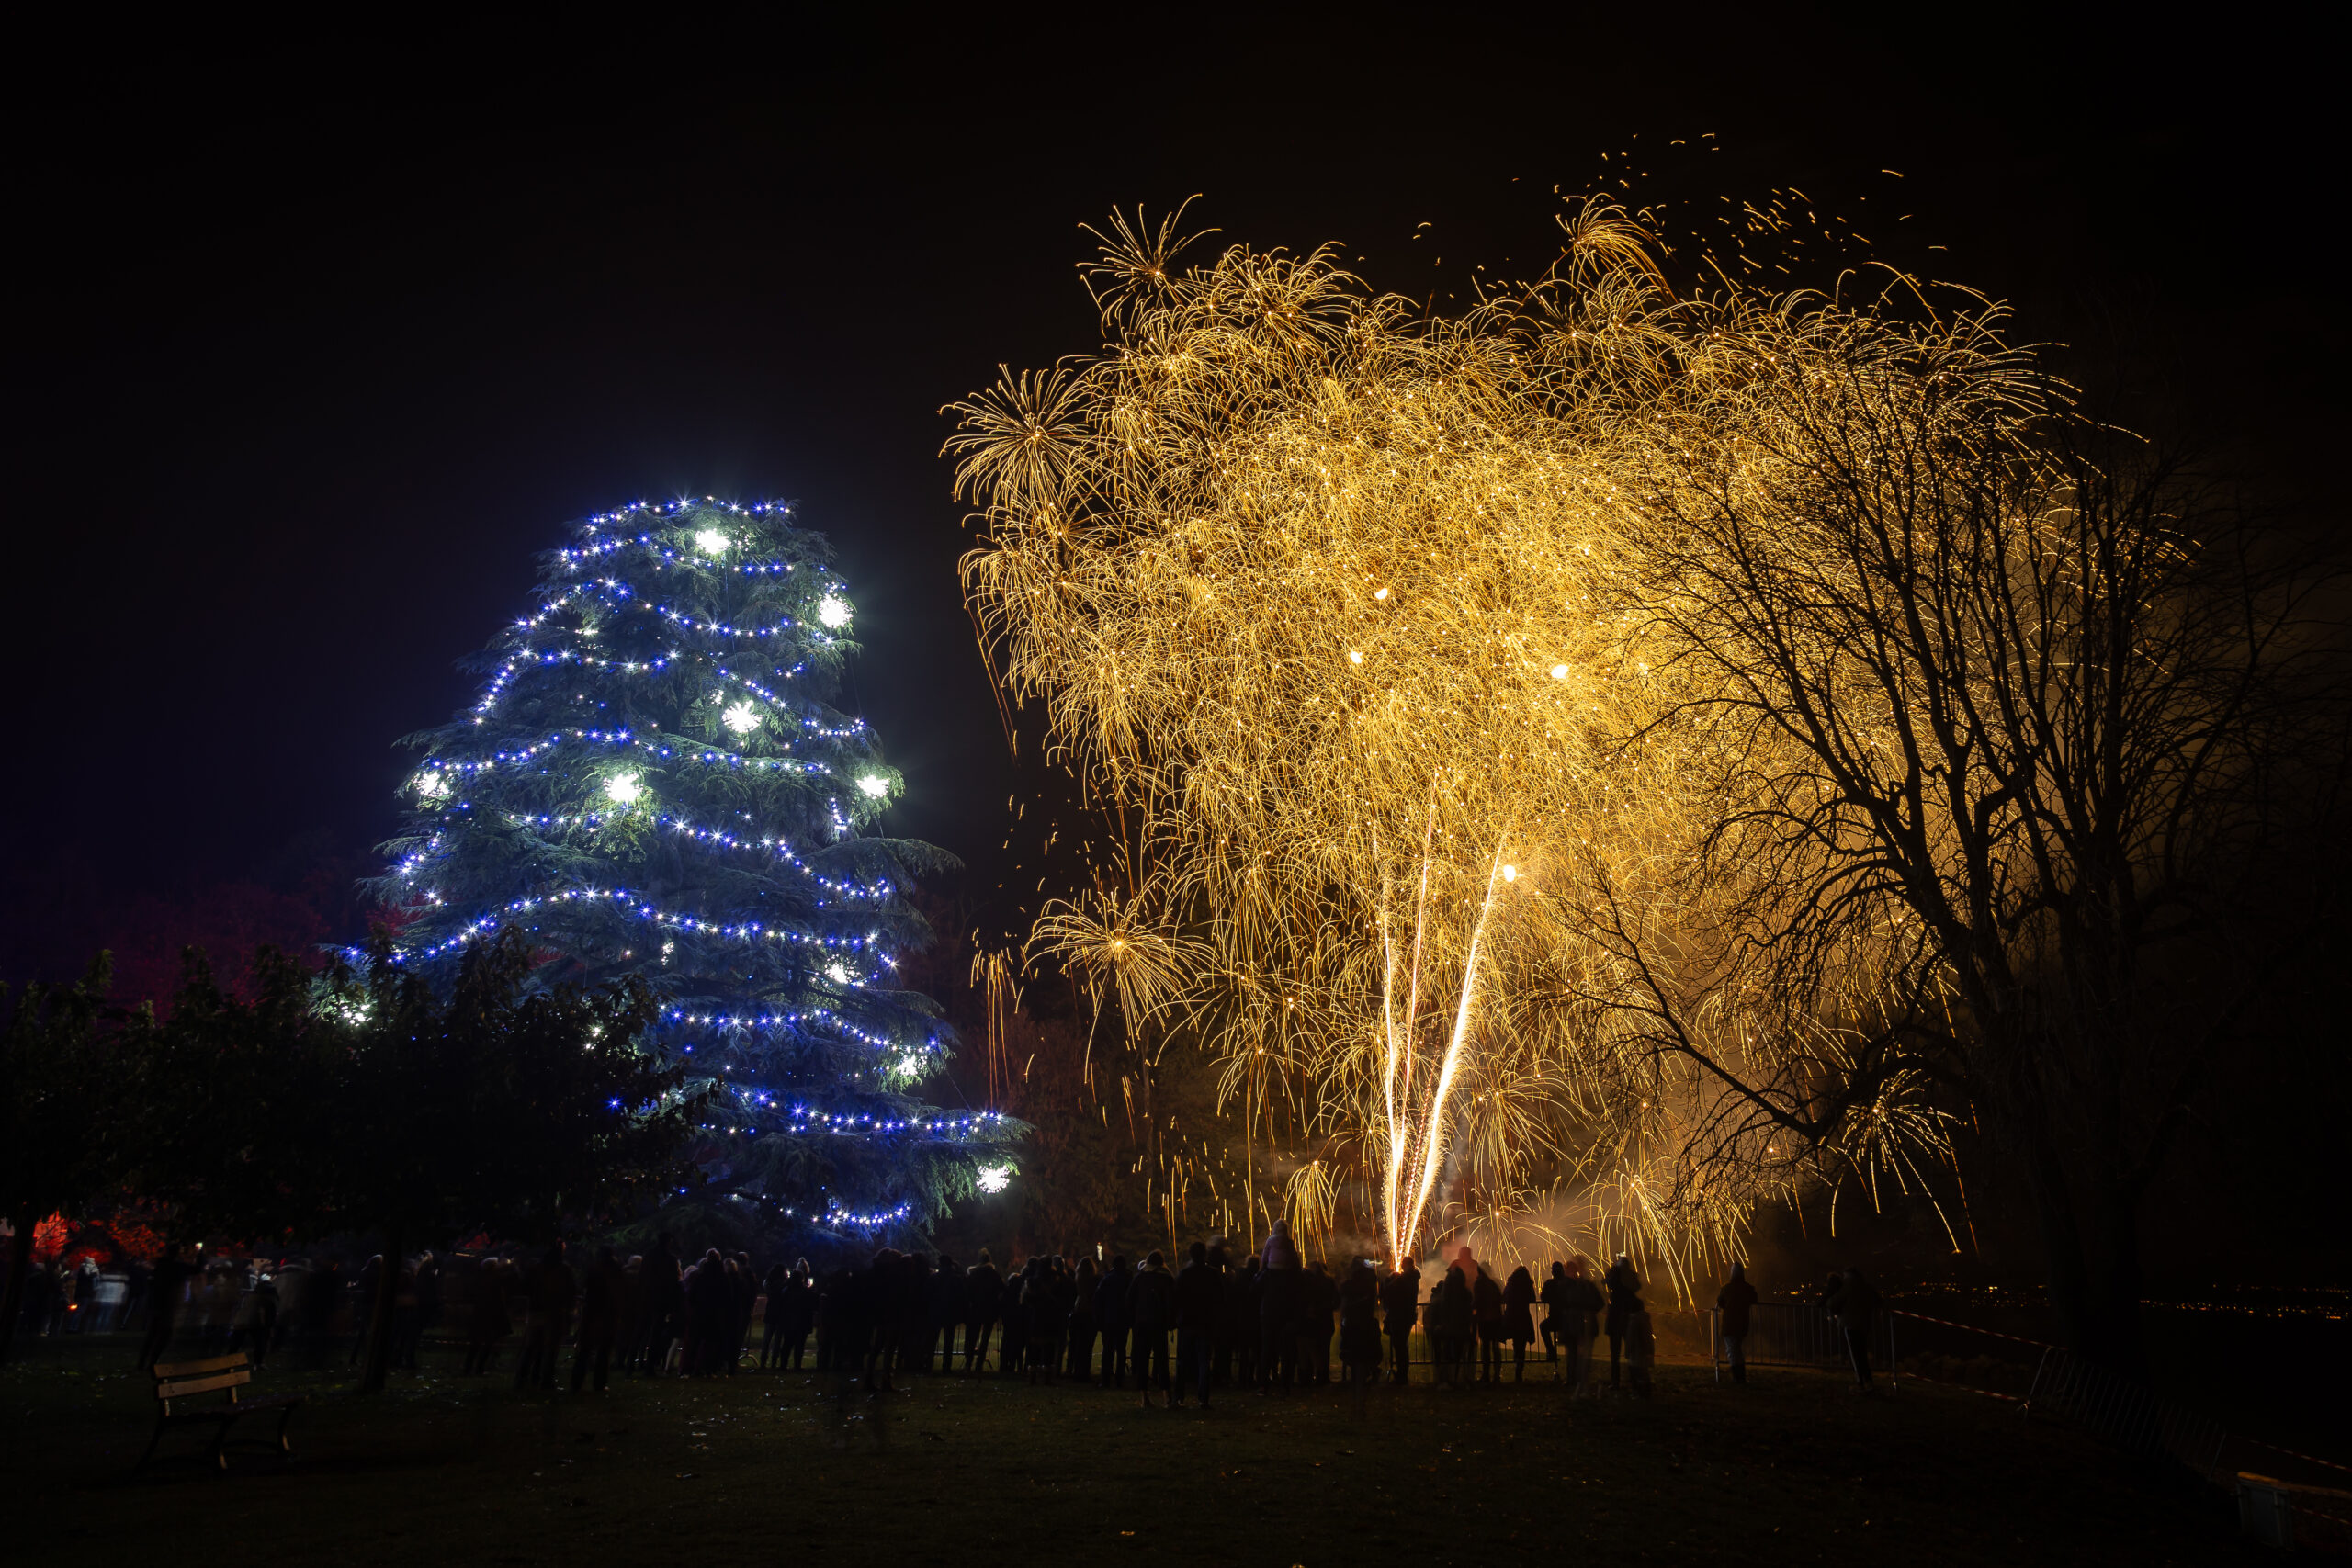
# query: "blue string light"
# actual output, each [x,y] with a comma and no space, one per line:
[677,611]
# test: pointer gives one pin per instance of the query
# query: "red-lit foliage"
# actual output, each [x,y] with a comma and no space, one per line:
[124,1237]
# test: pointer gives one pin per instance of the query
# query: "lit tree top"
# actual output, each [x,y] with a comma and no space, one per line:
[655,780]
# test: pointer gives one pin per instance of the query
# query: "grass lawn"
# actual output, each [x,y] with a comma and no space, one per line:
[760,1467]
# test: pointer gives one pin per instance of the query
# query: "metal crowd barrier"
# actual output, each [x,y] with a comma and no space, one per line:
[2122,1412]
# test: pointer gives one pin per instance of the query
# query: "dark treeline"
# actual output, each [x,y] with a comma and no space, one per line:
[355,1103]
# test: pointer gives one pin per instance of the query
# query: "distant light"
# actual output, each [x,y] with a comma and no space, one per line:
[833,611]
[624,788]
[711,542]
[1559,671]
[1380,593]
[1510,874]
[995,1177]
[741,718]
[1354,658]
[875,785]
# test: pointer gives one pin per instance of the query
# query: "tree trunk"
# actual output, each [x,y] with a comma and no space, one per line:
[2062,1240]
[12,1300]
[377,1360]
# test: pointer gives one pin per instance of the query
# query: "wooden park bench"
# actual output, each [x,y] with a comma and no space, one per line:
[179,1385]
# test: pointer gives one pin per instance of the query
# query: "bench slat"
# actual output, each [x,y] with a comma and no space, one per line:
[198,1369]
[181,1388]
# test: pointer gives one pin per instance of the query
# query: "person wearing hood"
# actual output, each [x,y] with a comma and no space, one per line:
[1152,1298]
[1401,1303]
[1279,1251]
[1279,1291]
[1519,1319]
[1736,1304]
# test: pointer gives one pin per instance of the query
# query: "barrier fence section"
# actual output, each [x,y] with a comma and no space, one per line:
[2126,1414]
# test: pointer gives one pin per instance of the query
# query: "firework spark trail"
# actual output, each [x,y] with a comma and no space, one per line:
[1293,567]
[1399,1138]
[1433,1130]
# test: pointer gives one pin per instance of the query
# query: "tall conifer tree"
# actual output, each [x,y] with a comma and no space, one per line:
[655,780]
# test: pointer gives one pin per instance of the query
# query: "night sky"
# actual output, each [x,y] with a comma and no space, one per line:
[315,340]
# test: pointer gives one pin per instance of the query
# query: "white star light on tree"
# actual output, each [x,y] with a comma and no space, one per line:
[741,718]
[623,789]
[875,785]
[711,542]
[833,611]
[995,1177]
[432,785]
[838,974]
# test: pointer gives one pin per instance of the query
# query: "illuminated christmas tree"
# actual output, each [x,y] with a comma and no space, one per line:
[655,782]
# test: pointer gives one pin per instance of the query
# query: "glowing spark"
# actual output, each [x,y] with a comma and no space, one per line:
[1171,536]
